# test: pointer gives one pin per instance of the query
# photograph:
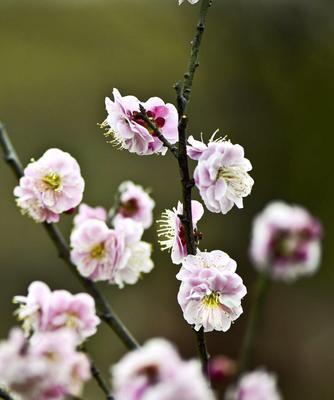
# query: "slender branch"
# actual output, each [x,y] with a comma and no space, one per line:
[157,131]
[105,311]
[98,376]
[253,323]
[183,90]
[4,395]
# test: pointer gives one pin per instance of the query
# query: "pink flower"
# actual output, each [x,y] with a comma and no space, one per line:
[156,372]
[256,385]
[96,249]
[50,186]
[46,368]
[131,132]
[286,242]
[87,212]
[210,293]
[134,203]
[172,230]
[43,310]
[221,174]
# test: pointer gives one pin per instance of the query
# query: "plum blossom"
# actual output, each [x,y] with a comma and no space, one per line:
[115,255]
[210,292]
[286,241]
[43,310]
[47,367]
[131,132]
[221,174]
[50,186]
[96,249]
[256,385]
[221,368]
[86,212]
[156,372]
[135,203]
[172,230]
[190,1]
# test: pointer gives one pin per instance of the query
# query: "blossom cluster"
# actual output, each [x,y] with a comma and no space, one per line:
[41,362]
[43,310]
[111,249]
[46,367]
[156,372]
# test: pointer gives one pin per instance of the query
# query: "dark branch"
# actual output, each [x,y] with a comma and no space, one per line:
[183,91]
[4,395]
[143,115]
[105,311]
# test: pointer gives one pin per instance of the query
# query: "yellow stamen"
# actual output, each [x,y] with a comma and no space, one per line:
[211,300]
[97,251]
[53,181]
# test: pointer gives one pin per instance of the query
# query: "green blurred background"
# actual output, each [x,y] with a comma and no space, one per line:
[266,79]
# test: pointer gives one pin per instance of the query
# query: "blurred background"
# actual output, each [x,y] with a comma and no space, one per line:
[265,79]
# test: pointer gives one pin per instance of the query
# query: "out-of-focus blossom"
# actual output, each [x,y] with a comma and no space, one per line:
[134,203]
[86,212]
[131,132]
[156,372]
[43,310]
[210,292]
[286,241]
[50,186]
[190,1]
[256,385]
[221,174]
[221,368]
[46,368]
[172,230]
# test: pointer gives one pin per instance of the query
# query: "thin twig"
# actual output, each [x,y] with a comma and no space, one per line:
[253,323]
[156,130]
[98,376]
[105,311]
[183,90]
[4,395]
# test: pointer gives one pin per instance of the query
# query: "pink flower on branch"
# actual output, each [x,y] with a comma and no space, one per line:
[286,242]
[156,372]
[50,186]
[221,174]
[130,131]
[210,293]
[43,310]
[172,231]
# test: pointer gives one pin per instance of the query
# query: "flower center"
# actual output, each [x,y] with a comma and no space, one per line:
[129,208]
[211,300]
[238,179]
[72,321]
[52,181]
[97,251]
